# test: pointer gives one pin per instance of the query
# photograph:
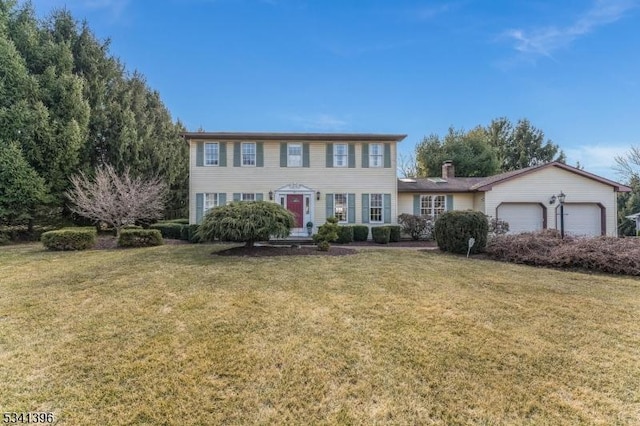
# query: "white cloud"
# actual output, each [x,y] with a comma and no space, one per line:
[543,41]
[597,159]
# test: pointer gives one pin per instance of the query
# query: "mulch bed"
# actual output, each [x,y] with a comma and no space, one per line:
[108,242]
[403,243]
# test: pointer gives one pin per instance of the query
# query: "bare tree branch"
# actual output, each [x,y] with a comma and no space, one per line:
[628,166]
[407,166]
[117,200]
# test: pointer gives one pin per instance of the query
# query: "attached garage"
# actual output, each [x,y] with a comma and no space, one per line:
[582,219]
[522,217]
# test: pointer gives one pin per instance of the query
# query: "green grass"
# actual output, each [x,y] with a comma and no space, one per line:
[173,335]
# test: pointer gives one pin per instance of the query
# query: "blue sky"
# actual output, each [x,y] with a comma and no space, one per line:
[571,67]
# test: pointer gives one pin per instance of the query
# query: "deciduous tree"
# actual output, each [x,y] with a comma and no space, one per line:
[116,199]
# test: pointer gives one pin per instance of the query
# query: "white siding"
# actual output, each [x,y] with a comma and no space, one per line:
[540,185]
[318,177]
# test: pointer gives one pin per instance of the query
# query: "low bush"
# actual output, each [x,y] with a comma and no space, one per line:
[454,229]
[381,234]
[395,231]
[603,254]
[417,227]
[132,227]
[327,234]
[193,233]
[345,235]
[168,230]
[360,233]
[180,221]
[184,233]
[498,226]
[21,233]
[70,238]
[140,238]
[4,239]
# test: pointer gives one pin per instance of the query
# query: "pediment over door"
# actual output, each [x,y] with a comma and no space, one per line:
[294,187]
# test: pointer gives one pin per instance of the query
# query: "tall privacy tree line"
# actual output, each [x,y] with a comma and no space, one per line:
[483,151]
[67,106]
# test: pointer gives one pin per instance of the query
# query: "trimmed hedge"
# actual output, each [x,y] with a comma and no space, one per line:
[453,229]
[169,230]
[184,233]
[381,234]
[394,233]
[360,233]
[140,238]
[180,221]
[70,238]
[132,227]
[345,235]
[193,233]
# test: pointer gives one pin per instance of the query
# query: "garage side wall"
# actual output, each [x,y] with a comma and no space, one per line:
[540,185]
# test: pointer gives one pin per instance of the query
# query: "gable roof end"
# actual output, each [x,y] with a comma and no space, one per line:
[487,183]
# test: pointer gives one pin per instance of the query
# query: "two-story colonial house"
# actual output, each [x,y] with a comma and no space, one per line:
[353,177]
[313,175]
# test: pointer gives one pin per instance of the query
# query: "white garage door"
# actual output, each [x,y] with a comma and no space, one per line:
[581,219]
[522,217]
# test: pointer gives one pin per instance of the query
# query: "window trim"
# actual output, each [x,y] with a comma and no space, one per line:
[432,209]
[345,207]
[345,155]
[217,157]
[289,155]
[371,207]
[216,203]
[372,156]
[242,154]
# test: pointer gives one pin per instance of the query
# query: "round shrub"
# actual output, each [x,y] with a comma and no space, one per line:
[453,230]
[381,234]
[139,238]
[70,238]
[394,233]
[360,233]
[193,233]
[168,229]
[323,246]
[345,235]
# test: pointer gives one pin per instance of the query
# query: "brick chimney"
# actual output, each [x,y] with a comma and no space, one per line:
[448,171]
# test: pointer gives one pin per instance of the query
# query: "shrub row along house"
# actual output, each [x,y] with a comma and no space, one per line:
[353,177]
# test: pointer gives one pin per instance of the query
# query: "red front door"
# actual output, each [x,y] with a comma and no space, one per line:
[295,206]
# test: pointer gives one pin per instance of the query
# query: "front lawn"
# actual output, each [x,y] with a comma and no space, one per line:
[173,335]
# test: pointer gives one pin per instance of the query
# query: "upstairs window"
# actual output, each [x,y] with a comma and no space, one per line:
[294,155]
[375,155]
[340,155]
[211,154]
[248,154]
